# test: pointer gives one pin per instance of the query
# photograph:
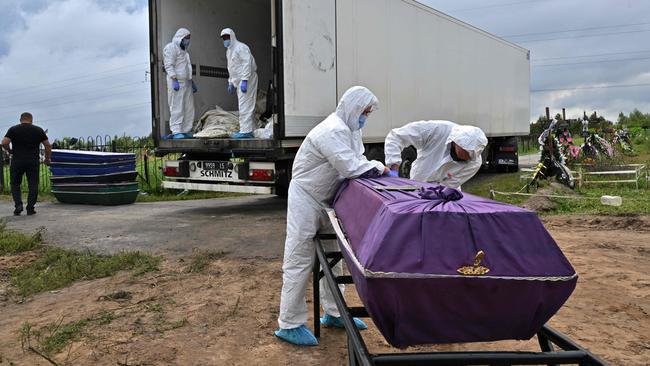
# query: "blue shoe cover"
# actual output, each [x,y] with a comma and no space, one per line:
[188,135]
[300,336]
[337,322]
[242,135]
[177,136]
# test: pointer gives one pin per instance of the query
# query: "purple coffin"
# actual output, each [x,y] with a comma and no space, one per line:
[407,255]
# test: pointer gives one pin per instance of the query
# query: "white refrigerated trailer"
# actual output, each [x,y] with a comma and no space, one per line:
[421,64]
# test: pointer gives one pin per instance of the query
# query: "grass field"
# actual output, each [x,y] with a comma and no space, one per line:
[55,267]
[634,201]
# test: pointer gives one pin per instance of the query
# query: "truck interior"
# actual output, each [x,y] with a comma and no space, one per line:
[252,21]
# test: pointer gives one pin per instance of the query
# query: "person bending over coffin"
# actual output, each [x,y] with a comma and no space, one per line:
[447,153]
[331,152]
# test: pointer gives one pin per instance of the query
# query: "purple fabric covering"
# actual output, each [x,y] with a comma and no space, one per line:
[406,248]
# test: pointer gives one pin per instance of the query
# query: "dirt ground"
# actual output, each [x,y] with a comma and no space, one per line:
[226,314]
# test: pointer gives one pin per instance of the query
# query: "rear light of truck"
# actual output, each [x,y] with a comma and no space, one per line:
[174,168]
[264,175]
[507,149]
[171,171]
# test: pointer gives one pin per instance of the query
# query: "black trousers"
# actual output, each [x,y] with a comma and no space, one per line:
[31,170]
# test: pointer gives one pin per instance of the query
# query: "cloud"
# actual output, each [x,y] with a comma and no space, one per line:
[516,20]
[78,66]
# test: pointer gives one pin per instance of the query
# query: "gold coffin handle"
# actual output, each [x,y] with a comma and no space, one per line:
[476,269]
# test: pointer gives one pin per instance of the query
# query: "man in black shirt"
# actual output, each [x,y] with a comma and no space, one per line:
[25,139]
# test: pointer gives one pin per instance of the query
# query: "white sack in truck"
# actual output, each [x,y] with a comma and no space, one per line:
[216,123]
[219,123]
[264,133]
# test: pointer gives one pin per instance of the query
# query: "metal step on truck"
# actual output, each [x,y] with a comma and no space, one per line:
[421,64]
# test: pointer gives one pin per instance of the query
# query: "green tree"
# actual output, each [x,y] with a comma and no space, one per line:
[537,127]
[638,119]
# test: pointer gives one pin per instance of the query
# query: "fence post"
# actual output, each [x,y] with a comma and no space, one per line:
[146,168]
[582,178]
[2,170]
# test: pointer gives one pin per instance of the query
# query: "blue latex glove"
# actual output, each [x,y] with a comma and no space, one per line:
[244,86]
[393,173]
[176,85]
[300,336]
[194,88]
[332,321]
[231,88]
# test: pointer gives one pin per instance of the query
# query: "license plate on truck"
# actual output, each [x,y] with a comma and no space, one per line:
[215,169]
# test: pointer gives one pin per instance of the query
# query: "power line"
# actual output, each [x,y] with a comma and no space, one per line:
[61,85]
[592,87]
[69,95]
[86,100]
[592,55]
[106,111]
[67,80]
[584,36]
[592,62]
[495,6]
[575,30]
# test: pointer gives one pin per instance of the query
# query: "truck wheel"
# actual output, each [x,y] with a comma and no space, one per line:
[283,177]
[281,190]
[408,157]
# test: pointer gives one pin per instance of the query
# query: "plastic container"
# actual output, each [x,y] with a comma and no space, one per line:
[611,200]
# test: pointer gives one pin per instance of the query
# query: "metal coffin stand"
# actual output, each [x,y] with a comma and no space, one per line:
[556,348]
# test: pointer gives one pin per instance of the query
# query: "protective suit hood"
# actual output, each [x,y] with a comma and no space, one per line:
[180,34]
[231,33]
[470,138]
[353,102]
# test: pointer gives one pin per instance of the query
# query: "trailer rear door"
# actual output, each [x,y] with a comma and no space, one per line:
[309,63]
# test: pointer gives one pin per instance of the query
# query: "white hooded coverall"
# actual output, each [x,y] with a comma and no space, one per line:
[432,140]
[242,66]
[331,152]
[181,102]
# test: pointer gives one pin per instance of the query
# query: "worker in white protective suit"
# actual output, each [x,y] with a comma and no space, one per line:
[243,78]
[180,85]
[447,153]
[331,152]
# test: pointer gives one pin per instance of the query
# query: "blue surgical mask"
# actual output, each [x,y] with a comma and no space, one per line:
[226,43]
[185,42]
[362,120]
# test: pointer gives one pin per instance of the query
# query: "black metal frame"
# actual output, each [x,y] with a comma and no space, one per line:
[569,352]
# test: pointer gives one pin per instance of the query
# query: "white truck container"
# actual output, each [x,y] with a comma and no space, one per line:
[421,64]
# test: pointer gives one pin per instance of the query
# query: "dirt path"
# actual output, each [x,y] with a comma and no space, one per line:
[226,314]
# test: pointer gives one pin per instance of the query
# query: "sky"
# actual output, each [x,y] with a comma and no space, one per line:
[79,65]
